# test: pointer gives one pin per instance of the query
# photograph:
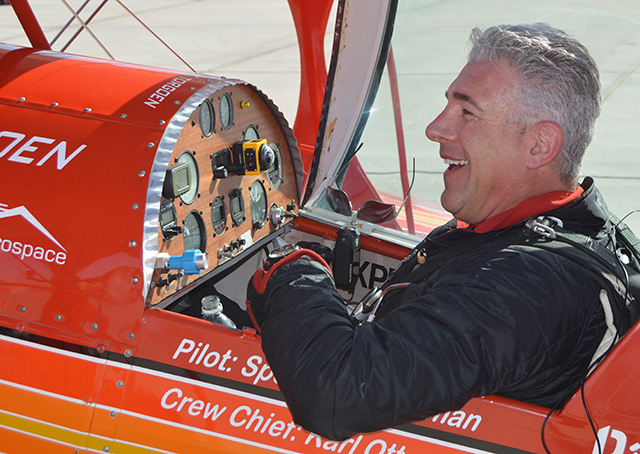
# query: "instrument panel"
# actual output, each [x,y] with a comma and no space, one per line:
[231,181]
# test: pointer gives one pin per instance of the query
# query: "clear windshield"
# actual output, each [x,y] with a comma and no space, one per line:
[429,47]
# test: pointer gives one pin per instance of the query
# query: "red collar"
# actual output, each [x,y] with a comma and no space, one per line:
[524,210]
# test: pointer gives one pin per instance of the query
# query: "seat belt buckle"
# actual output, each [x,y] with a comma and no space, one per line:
[539,226]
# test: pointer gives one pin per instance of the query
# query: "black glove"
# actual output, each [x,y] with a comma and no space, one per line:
[256,299]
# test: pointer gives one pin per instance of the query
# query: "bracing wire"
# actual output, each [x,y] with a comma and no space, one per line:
[155,35]
[85,26]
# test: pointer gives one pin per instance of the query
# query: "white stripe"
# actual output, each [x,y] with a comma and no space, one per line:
[54,350]
[436,441]
[190,381]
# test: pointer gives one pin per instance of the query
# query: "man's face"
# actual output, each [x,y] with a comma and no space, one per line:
[481,142]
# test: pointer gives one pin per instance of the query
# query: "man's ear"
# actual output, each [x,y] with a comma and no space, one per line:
[549,139]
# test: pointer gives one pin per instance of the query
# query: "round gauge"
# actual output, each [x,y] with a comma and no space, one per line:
[207,118]
[251,133]
[258,204]
[275,173]
[226,111]
[218,216]
[193,234]
[190,196]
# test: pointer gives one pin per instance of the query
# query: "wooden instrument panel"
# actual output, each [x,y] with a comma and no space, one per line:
[231,196]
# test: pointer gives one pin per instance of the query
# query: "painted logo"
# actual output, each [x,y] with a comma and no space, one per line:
[620,439]
[26,250]
[31,149]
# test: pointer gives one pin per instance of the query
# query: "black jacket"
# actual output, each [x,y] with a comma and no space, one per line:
[505,319]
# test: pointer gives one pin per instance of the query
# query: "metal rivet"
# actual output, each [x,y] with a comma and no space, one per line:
[22,99]
[151,144]
[54,104]
[120,384]
[135,206]
[58,317]
[131,335]
[161,122]
[101,348]
[176,102]
[132,243]
[23,309]
[106,449]
[192,88]
[87,109]
[135,280]
[142,173]
[128,353]
[113,413]
[123,116]
[94,326]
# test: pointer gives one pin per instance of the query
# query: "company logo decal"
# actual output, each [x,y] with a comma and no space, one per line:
[620,439]
[26,250]
[161,93]
[29,150]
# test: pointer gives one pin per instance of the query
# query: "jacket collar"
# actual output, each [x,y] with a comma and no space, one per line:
[569,206]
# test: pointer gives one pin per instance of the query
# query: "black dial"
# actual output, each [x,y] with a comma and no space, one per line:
[258,204]
[226,111]
[275,172]
[207,118]
[251,133]
[194,235]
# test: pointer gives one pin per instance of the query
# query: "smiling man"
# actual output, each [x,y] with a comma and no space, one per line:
[478,307]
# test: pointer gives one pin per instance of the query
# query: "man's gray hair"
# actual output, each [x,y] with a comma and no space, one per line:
[561,82]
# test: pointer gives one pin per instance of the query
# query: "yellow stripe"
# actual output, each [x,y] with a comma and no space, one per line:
[42,429]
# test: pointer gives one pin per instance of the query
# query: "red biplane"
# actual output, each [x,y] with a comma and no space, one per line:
[128,193]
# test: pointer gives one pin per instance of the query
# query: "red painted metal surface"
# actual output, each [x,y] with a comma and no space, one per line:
[310,18]
[75,160]
[30,24]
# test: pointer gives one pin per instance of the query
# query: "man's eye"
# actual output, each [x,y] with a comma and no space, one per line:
[466,112]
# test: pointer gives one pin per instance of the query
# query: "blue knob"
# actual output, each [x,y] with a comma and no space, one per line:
[193,261]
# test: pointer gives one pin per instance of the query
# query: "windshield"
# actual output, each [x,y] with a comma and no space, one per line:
[429,48]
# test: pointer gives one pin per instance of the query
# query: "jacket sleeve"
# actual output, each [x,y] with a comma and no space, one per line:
[475,330]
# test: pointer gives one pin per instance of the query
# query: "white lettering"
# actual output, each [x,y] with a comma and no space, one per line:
[185,347]
[175,399]
[27,147]
[213,412]
[261,374]
[165,90]
[459,419]
[61,150]
[16,135]
[26,250]
[373,444]
[20,155]
[164,402]
[244,416]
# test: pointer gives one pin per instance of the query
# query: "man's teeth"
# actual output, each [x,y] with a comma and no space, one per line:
[451,162]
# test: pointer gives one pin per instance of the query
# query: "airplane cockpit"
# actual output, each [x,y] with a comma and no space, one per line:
[231,183]
[131,195]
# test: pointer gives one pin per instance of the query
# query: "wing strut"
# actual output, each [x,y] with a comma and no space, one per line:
[30,24]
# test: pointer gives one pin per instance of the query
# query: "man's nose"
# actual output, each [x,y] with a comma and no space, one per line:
[440,130]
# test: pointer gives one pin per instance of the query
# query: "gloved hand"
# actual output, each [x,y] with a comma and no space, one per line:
[257,285]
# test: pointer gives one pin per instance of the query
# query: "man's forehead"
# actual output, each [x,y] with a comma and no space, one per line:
[481,82]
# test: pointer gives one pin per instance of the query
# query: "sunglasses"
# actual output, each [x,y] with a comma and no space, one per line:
[373,211]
